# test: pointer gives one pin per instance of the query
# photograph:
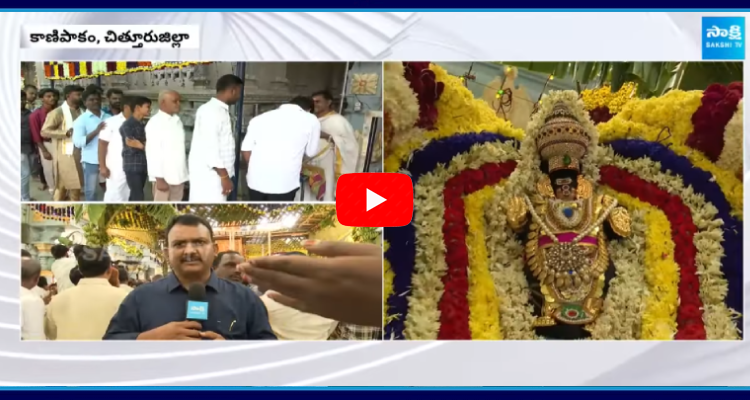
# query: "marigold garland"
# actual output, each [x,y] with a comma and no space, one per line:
[484,316]
[671,113]
[661,272]
[604,98]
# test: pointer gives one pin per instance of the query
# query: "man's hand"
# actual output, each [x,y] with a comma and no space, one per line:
[182,330]
[69,133]
[104,171]
[226,185]
[45,153]
[346,286]
[211,336]
[47,298]
[325,136]
[130,142]
[162,185]
[101,126]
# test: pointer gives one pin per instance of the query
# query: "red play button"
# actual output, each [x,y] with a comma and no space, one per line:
[374,200]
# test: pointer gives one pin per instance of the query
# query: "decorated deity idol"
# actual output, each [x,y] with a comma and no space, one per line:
[566,225]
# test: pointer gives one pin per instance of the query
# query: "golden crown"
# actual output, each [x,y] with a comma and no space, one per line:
[562,141]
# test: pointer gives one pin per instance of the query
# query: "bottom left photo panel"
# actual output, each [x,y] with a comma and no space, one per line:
[92,272]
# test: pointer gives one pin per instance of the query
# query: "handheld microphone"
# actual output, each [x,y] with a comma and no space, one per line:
[197,305]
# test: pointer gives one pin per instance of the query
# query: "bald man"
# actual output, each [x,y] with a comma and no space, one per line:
[165,149]
[32,306]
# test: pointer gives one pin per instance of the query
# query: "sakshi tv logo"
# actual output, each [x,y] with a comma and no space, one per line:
[198,309]
[723,38]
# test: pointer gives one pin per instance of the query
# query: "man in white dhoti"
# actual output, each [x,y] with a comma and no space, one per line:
[212,149]
[343,151]
[110,157]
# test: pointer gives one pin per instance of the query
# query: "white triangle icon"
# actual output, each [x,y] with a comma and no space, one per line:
[373,200]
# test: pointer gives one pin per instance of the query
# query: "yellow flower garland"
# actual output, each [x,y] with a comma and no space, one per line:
[674,111]
[388,276]
[603,97]
[662,272]
[458,113]
[618,128]
[484,316]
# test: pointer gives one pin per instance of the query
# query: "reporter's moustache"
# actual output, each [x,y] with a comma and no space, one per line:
[192,257]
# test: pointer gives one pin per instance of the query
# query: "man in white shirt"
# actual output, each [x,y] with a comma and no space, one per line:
[84,312]
[165,149]
[274,147]
[61,267]
[212,150]
[32,306]
[110,157]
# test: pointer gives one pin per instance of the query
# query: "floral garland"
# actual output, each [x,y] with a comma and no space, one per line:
[506,254]
[423,156]
[671,113]
[731,158]
[423,162]
[617,129]
[718,318]
[433,210]
[661,273]
[459,113]
[622,315]
[484,307]
[602,104]
[400,105]
[718,105]
[428,90]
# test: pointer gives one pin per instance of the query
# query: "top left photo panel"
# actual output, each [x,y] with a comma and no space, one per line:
[200,132]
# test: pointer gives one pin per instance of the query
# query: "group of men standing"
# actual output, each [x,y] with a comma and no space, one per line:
[83,146]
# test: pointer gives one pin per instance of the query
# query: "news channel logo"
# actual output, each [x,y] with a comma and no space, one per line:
[197,310]
[723,38]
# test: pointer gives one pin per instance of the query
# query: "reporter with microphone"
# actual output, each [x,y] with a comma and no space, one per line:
[191,303]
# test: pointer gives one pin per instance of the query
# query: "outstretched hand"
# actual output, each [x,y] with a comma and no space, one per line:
[345,286]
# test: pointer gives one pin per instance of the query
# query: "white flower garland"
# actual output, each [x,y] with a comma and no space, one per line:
[507,268]
[423,319]
[717,317]
[624,305]
[731,158]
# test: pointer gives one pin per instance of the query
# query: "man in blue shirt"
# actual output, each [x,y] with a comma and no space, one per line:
[86,131]
[158,310]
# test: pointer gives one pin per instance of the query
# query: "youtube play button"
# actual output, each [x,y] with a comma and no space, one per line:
[374,199]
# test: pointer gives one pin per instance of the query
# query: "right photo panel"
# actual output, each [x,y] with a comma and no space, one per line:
[566,200]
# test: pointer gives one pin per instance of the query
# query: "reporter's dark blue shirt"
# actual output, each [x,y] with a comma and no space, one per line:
[234,311]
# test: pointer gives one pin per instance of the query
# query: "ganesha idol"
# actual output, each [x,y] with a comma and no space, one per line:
[565,225]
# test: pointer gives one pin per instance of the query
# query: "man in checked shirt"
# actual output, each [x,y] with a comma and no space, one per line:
[134,155]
